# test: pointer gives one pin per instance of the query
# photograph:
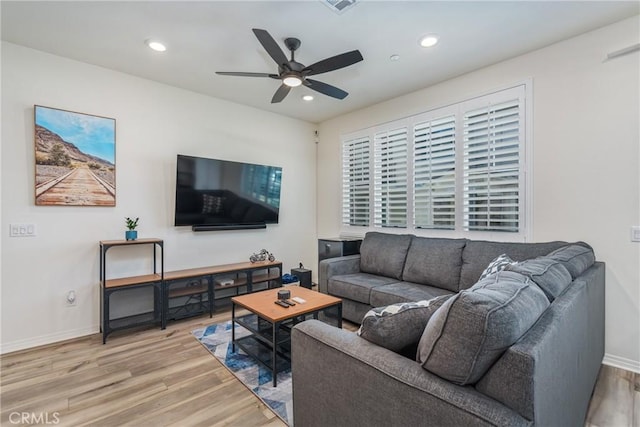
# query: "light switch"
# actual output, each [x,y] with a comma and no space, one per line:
[635,234]
[22,230]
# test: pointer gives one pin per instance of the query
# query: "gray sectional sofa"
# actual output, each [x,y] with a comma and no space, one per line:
[520,347]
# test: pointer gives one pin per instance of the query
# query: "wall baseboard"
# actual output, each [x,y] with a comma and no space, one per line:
[46,339]
[622,363]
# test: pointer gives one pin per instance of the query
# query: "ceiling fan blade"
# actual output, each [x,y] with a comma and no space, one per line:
[241,74]
[270,46]
[326,89]
[333,63]
[281,93]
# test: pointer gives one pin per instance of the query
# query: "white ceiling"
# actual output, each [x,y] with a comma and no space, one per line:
[207,36]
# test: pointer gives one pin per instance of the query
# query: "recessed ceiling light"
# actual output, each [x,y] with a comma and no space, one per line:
[428,40]
[156,45]
[307,98]
[394,57]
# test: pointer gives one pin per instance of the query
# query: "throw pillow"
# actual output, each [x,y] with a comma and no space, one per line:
[212,205]
[498,264]
[550,275]
[473,328]
[397,326]
[576,258]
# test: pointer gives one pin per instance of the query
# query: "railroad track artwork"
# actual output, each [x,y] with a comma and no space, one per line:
[75,158]
[77,187]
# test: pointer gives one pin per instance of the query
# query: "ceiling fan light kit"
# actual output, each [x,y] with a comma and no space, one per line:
[292,80]
[292,73]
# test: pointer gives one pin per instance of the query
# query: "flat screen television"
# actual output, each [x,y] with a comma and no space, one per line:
[213,194]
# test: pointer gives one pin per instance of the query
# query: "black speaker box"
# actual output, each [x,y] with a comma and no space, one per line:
[303,275]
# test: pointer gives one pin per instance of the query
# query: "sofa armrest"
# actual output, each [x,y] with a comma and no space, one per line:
[340,379]
[334,267]
[549,374]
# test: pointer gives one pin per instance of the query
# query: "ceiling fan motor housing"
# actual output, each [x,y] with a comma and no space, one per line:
[291,66]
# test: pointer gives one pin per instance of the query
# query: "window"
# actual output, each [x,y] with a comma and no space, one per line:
[434,178]
[492,168]
[355,182]
[459,169]
[390,178]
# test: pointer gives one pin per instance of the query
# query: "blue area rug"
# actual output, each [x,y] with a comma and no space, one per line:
[217,339]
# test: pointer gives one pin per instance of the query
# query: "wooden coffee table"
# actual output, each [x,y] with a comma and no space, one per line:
[270,325]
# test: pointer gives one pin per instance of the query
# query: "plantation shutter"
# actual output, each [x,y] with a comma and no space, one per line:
[390,178]
[355,181]
[458,170]
[491,180]
[434,178]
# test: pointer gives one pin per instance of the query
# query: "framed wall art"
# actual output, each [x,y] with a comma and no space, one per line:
[75,158]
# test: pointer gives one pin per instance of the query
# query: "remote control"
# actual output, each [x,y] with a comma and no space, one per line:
[299,300]
[286,301]
[281,304]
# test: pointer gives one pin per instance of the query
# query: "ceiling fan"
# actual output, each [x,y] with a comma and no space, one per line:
[293,73]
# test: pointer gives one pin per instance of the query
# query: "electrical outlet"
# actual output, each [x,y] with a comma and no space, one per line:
[635,234]
[71,298]
[22,230]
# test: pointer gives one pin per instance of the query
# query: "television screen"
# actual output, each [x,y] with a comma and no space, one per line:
[226,194]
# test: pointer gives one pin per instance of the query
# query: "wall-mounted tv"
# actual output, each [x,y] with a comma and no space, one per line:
[213,194]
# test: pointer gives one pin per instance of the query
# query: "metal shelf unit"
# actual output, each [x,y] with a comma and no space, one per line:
[110,286]
[196,283]
[193,290]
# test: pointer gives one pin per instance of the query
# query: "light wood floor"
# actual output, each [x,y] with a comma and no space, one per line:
[166,378]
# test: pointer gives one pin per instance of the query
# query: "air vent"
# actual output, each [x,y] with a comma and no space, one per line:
[339,6]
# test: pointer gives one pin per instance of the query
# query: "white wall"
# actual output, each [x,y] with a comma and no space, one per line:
[586,173]
[154,122]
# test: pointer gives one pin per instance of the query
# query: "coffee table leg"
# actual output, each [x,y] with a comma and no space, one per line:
[233,327]
[274,351]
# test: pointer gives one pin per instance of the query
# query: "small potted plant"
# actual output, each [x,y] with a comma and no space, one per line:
[131,234]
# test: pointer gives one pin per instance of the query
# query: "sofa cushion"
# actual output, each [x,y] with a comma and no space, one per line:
[434,262]
[477,254]
[356,286]
[498,264]
[576,258]
[550,275]
[400,325]
[384,254]
[472,329]
[404,292]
